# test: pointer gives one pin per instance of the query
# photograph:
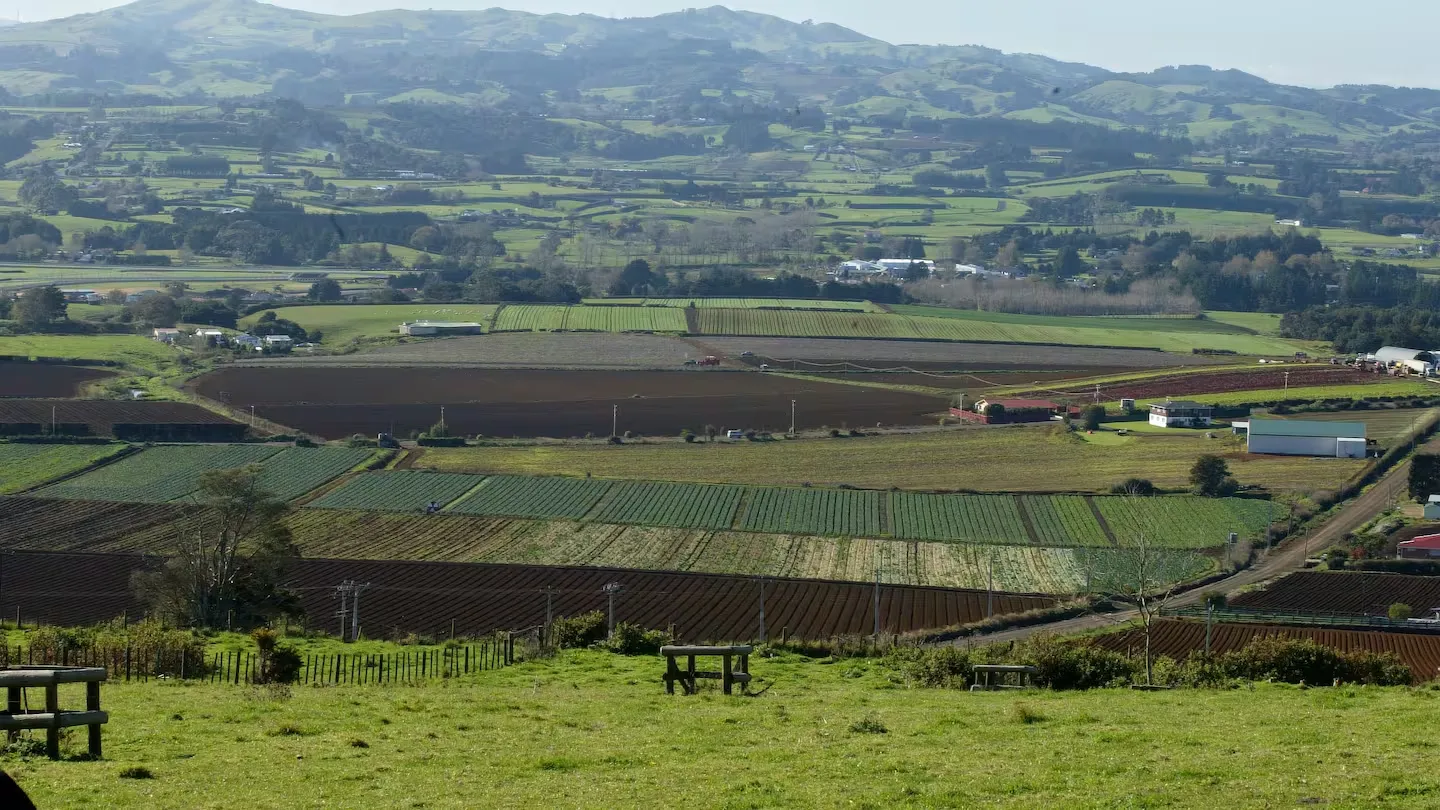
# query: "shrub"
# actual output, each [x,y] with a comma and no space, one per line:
[1303,660]
[932,666]
[1400,612]
[1026,715]
[1065,665]
[578,631]
[632,639]
[136,772]
[1134,486]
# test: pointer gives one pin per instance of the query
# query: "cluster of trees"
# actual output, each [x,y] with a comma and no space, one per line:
[1366,328]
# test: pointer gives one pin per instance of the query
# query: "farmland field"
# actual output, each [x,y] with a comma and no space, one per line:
[1347,381]
[532,497]
[128,349]
[556,318]
[100,416]
[297,470]
[1063,520]
[661,504]
[157,475]
[43,524]
[21,379]
[927,461]
[813,511]
[957,518]
[1362,593]
[865,325]
[938,356]
[1181,522]
[23,466]
[740,303]
[1385,426]
[338,402]
[397,491]
[341,324]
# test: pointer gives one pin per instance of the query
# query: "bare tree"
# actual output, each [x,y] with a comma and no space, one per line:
[228,556]
[1142,573]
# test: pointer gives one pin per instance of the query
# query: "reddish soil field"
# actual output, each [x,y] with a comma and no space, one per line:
[43,524]
[100,416]
[1222,381]
[946,356]
[963,381]
[338,402]
[1341,592]
[45,380]
[419,597]
[1178,639]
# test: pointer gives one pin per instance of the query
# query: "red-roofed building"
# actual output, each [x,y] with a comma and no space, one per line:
[1008,411]
[1424,547]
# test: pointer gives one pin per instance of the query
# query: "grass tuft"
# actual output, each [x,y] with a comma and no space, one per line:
[136,772]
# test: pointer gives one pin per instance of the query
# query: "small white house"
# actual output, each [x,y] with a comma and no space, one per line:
[245,342]
[278,342]
[1301,437]
[166,335]
[1432,508]
[1181,413]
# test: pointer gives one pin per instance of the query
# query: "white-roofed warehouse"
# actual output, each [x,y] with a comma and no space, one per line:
[1299,437]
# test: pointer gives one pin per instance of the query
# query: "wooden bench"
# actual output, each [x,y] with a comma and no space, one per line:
[731,672]
[16,717]
[991,677]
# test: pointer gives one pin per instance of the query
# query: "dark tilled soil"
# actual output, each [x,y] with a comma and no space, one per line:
[338,402]
[431,598]
[43,380]
[951,356]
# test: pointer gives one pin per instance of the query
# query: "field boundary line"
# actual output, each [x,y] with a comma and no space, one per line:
[612,492]
[1099,518]
[127,451]
[1026,521]
[466,495]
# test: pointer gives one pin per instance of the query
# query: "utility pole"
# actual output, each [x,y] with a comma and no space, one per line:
[52,420]
[1287,382]
[990,586]
[252,416]
[348,592]
[792,417]
[355,613]
[549,605]
[614,420]
[610,591]
[877,602]
[1209,617]
[1097,393]
[342,592]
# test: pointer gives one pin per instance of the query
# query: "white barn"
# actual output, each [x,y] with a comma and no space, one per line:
[1296,437]
[1420,362]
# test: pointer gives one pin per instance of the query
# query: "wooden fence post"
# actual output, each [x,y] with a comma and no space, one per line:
[52,733]
[92,704]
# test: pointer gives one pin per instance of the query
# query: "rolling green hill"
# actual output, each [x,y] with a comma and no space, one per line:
[244,48]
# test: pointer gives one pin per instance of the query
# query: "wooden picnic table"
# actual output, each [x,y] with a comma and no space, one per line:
[986,676]
[731,672]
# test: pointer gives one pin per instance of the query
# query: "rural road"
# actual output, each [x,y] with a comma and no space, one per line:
[1288,556]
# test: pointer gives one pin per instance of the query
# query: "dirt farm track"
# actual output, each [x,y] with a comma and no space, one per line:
[339,402]
[426,597]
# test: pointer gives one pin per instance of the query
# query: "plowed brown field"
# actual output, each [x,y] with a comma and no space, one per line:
[1344,592]
[1179,639]
[338,402]
[45,380]
[422,597]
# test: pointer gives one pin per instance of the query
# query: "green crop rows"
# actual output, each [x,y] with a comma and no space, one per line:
[158,474]
[740,303]
[519,496]
[1063,520]
[841,512]
[1184,522]
[297,470]
[23,466]
[964,519]
[556,318]
[681,505]
[398,491]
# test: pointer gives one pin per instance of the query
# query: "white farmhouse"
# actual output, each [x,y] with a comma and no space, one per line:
[1181,413]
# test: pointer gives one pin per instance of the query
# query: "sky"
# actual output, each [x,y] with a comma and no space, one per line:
[1315,44]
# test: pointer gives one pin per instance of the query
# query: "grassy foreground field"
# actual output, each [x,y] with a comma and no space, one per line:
[128,349]
[596,730]
[985,459]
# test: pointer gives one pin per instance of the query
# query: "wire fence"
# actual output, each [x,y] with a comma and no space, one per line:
[245,667]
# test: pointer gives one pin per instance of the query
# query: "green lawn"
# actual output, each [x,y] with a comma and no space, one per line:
[594,730]
[129,349]
[1262,323]
[341,324]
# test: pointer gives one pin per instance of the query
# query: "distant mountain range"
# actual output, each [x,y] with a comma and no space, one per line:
[242,48]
